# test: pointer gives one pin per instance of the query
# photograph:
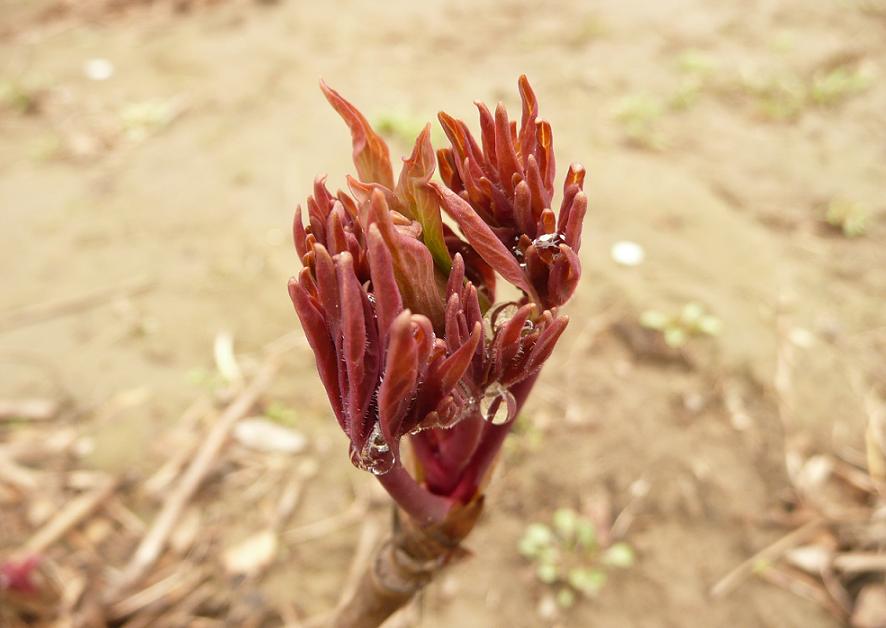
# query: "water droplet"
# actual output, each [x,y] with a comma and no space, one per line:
[627,253]
[548,241]
[98,69]
[376,456]
[496,317]
[548,246]
[498,405]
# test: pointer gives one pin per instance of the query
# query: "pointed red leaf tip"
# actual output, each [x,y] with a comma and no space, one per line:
[527,124]
[371,156]
[314,325]
[420,203]
[483,239]
[401,373]
[298,234]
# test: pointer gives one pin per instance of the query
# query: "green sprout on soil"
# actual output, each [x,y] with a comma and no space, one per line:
[639,116]
[281,413]
[677,329]
[140,120]
[696,63]
[782,98]
[569,558]
[849,217]
[212,380]
[836,85]
[688,92]
[19,96]
[584,29]
[785,97]
[696,68]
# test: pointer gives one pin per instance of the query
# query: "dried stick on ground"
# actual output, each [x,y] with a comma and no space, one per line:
[32,314]
[152,545]
[730,581]
[860,562]
[28,409]
[73,513]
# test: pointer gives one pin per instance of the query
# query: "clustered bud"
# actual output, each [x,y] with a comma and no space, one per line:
[400,309]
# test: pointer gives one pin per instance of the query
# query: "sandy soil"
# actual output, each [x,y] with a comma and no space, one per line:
[687,118]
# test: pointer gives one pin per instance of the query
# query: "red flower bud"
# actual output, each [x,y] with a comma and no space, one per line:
[399,308]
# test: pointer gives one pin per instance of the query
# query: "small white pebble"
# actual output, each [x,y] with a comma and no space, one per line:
[640,488]
[98,69]
[547,607]
[801,337]
[259,434]
[628,253]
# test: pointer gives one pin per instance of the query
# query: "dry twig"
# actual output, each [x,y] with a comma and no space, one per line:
[154,542]
[731,580]
[32,314]
[72,514]
[28,409]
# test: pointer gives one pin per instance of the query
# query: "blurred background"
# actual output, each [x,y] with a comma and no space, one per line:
[715,410]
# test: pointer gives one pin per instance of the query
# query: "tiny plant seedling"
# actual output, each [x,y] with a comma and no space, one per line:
[849,217]
[639,116]
[569,558]
[677,329]
[838,84]
[279,412]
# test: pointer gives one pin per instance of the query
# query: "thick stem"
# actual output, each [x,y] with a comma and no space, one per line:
[490,444]
[404,564]
[418,503]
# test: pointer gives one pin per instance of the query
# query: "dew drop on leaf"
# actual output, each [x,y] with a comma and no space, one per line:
[498,406]
[376,455]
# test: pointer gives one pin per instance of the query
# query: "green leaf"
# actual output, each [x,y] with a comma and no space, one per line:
[675,337]
[547,573]
[619,555]
[565,521]
[588,581]
[586,534]
[691,313]
[653,319]
[537,538]
[710,325]
[281,413]
[565,598]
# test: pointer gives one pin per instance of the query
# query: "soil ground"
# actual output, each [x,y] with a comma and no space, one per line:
[711,136]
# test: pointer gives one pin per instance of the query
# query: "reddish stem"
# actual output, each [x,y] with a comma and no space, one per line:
[490,444]
[415,500]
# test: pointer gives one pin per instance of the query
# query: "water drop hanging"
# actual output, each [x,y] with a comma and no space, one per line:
[498,406]
[376,456]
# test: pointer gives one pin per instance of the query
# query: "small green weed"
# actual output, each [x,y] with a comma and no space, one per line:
[849,217]
[677,329]
[568,557]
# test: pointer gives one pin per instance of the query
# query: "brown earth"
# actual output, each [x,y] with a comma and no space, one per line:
[687,116]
